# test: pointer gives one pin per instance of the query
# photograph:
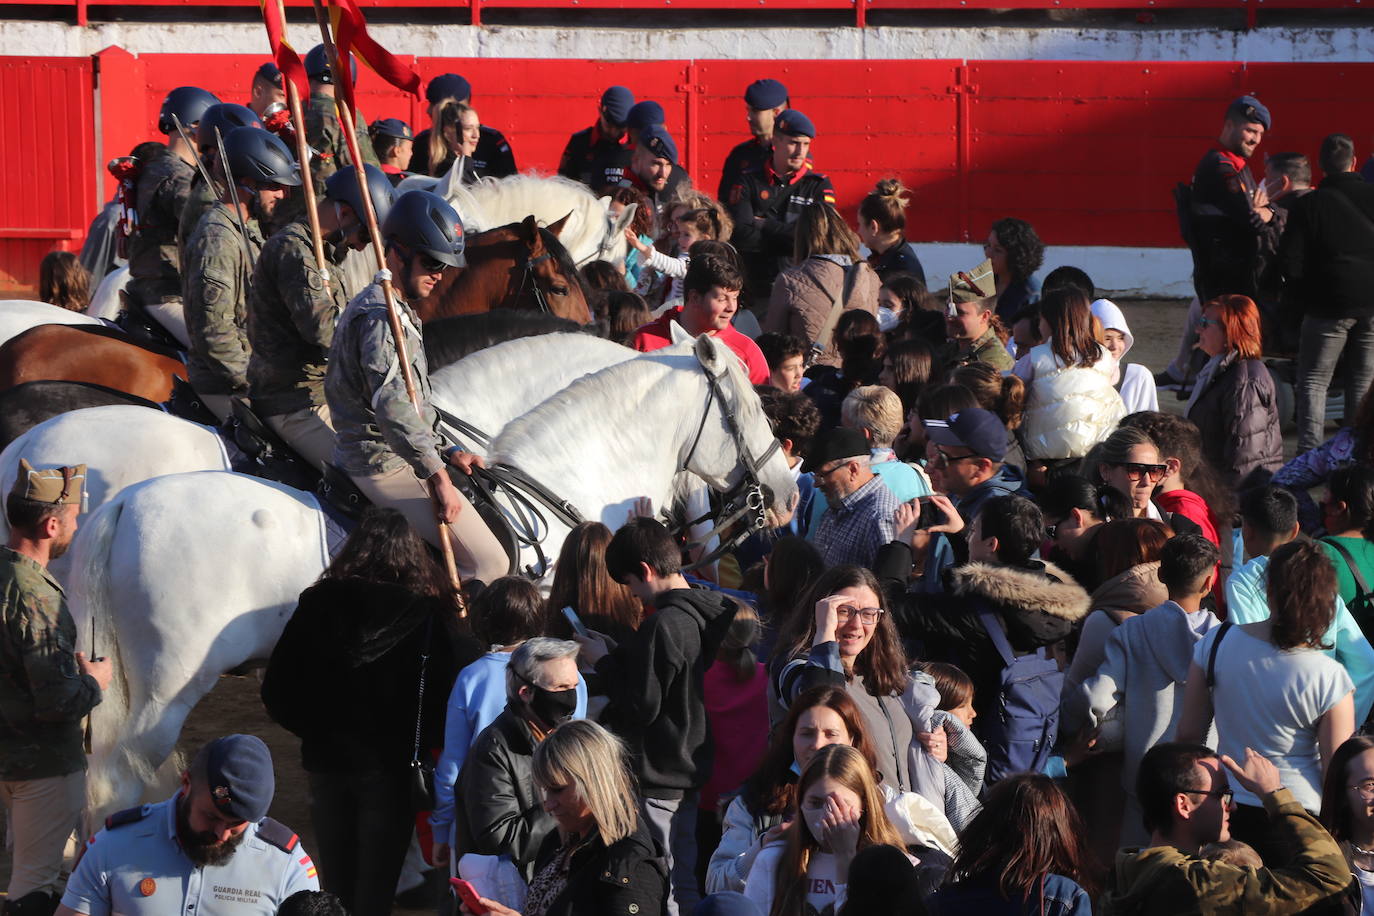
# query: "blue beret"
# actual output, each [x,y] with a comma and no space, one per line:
[1248,108]
[794,124]
[270,73]
[616,103]
[238,773]
[644,113]
[763,94]
[392,127]
[655,139]
[448,86]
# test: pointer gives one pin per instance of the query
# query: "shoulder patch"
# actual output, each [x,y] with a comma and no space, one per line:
[277,834]
[127,816]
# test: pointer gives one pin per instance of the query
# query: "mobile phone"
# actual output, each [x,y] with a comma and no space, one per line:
[468,894]
[575,621]
[931,514]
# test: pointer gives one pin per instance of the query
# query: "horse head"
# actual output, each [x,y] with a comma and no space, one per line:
[741,451]
[545,276]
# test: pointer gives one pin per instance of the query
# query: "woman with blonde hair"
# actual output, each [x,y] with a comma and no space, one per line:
[826,268]
[583,771]
[457,128]
[839,812]
[882,228]
[62,281]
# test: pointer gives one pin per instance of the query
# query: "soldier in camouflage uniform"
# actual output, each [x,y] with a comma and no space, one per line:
[162,188]
[223,117]
[46,686]
[219,265]
[292,308]
[968,322]
[322,130]
[390,451]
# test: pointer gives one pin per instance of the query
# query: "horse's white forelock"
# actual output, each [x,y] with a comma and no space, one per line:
[548,197]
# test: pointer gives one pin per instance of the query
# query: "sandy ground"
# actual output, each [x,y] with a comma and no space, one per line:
[234,705]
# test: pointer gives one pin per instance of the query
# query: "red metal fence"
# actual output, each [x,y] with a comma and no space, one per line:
[1087,151]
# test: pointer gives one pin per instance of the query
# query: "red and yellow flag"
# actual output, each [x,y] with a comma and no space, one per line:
[350,35]
[285,56]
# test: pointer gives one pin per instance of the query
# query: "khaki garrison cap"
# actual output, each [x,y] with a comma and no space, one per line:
[55,486]
[972,285]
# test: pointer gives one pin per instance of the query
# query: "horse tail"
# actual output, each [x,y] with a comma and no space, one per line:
[92,605]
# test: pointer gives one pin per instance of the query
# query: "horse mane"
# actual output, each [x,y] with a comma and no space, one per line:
[448,340]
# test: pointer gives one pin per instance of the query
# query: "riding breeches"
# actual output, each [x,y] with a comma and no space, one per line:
[43,813]
[308,431]
[169,314]
[477,552]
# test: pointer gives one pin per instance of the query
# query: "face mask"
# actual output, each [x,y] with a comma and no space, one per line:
[553,706]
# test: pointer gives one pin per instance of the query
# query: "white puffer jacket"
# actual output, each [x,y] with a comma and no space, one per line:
[1069,409]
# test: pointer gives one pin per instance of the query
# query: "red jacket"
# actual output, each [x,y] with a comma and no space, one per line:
[658,333]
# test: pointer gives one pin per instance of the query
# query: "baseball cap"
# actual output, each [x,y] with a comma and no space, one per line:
[238,772]
[616,103]
[978,430]
[834,444]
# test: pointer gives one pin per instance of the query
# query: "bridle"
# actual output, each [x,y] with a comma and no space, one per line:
[527,278]
[747,500]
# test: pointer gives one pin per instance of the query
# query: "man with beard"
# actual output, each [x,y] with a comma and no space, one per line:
[385,443]
[209,850]
[220,255]
[46,686]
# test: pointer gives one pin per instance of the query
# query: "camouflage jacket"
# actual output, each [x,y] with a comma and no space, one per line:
[218,275]
[291,319]
[378,429]
[43,694]
[986,349]
[154,263]
[325,136]
[198,201]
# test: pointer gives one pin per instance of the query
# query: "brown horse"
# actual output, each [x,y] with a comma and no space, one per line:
[520,266]
[93,354]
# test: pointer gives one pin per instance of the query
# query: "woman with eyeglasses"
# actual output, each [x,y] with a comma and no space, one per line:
[1233,401]
[1348,811]
[1272,688]
[849,641]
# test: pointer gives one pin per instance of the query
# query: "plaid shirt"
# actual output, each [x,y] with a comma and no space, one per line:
[852,530]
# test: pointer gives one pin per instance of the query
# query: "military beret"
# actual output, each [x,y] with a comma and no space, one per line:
[270,73]
[54,486]
[616,103]
[972,285]
[644,113]
[794,124]
[1248,108]
[238,774]
[656,139]
[763,94]
[392,127]
[448,86]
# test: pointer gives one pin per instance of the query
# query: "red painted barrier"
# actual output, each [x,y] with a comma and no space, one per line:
[1087,151]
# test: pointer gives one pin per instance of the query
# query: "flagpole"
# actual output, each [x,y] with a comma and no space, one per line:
[393,313]
[293,101]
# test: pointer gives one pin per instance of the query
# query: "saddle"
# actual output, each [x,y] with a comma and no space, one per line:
[267,453]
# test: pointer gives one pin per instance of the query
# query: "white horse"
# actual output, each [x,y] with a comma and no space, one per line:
[180,579]
[188,576]
[18,315]
[105,301]
[120,446]
[590,233]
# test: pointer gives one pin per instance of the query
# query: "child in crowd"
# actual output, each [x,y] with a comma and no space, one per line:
[1232,852]
[786,357]
[625,314]
[690,220]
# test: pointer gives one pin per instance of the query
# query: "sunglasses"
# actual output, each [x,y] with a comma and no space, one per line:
[430,265]
[944,459]
[1203,323]
[1134,472]
[1222,795]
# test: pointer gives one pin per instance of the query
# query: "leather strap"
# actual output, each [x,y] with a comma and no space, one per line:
[1212,656]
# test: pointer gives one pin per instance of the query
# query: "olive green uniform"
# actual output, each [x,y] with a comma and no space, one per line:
[325,137]
[986,349]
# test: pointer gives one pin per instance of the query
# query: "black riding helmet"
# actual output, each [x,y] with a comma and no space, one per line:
[424,223]
[343,187]
[225,116]
[317,65]
[188,103]
[254,153]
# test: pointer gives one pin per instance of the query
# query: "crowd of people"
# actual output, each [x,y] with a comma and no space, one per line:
[1028,644]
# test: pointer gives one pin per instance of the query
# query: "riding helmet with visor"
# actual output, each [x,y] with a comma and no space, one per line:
[342,186]
[317,65]
[223,117]
[257,154]
[424,223]
[188,104]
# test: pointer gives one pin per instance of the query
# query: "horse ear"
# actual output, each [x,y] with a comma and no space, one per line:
[557,228]
[708,351]
[453,178]
[678,334]
[529,230]
[605,203]
[627,216]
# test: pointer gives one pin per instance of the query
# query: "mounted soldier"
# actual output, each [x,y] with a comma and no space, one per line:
[292,307]
[163,185]
[322,130]
[217,121]
[387,446]
[219,263]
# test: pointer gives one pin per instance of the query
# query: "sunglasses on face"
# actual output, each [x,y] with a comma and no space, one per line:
[1203,323]
[430,265]
[945,459]
[1222,795]
[1134,472]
